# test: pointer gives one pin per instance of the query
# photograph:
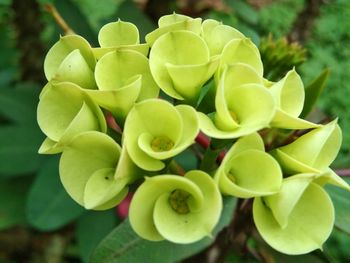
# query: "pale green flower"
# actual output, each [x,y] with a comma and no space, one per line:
[155,131]
[248,171]
[180,64]
[312,152]
[174,22]
[123,77]
[95,172]
[243,105]
[119,35]
[298,219]
[289,94]
[179,209]
[71,59]
[64,111]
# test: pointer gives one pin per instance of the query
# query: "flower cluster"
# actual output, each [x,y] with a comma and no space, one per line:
[214,74]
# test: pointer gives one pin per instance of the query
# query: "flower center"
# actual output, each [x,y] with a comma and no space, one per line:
[232,177]
[162,144]
[178,201]
[234,116]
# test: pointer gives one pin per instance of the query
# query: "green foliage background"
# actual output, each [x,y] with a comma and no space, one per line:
[32,200]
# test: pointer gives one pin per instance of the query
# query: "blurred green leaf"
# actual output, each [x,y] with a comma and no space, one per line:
[49,207]
[341,201]
[13,193]
[92,227]
[76,20]
[187,160]
[19,146]
[313,91]
[244,11]
[122,245]
[19,104]
[128,11]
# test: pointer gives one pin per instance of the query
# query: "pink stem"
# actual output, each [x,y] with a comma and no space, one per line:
[343,172]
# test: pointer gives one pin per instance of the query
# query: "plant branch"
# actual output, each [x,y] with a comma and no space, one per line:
[51,9]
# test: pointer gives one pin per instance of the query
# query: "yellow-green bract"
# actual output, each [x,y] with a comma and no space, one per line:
[63,112]
[179,209]
[155,131]
[248,171]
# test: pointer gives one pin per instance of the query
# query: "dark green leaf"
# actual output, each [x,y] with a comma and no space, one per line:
[124,246]
[313,91]
[19,146]
[13,193]
[48,206]
[244,11]
[76,20]
[92,227]
[187,160]
[19,105]
[341,201]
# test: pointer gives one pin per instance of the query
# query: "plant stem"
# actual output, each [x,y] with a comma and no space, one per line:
[343,172]
[208,163]
[176,168]
[50,8]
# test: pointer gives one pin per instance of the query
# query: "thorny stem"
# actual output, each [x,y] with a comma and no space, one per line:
[50,8]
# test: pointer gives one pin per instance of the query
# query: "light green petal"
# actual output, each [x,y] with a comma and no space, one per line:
[217,35]
[317,148]
[309,224]
[253,106]
[102,188]
[207,126]
[172,19]
[115,69]
[142,205]
[57,108]
[238,177]
[330,177]
[242,50]
[250,142]
[75,69]
[189,133]
[191,25]
[179,48]
[118,33]
[286,121]
[60,51]
[99,52]
[291,165]
[189,79]
[64,111]
[126,169]
[191,227]
[87,153]
[289,93]
[49,147]
[120,101]
[283,203]
[156,117]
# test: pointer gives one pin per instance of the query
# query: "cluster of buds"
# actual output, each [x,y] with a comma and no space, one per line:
[214,74]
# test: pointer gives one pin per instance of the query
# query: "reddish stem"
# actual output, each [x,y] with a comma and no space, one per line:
[343,172]
[111,123]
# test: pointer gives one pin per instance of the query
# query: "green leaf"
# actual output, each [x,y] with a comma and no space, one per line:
[76,19]
[13,194]
[92,227]
[123,245]
[313,91]
[341,203]
[19,104]
[19,145]
[244,11]
[48,206]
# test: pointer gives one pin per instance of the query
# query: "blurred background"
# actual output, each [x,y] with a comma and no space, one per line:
[38,220]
